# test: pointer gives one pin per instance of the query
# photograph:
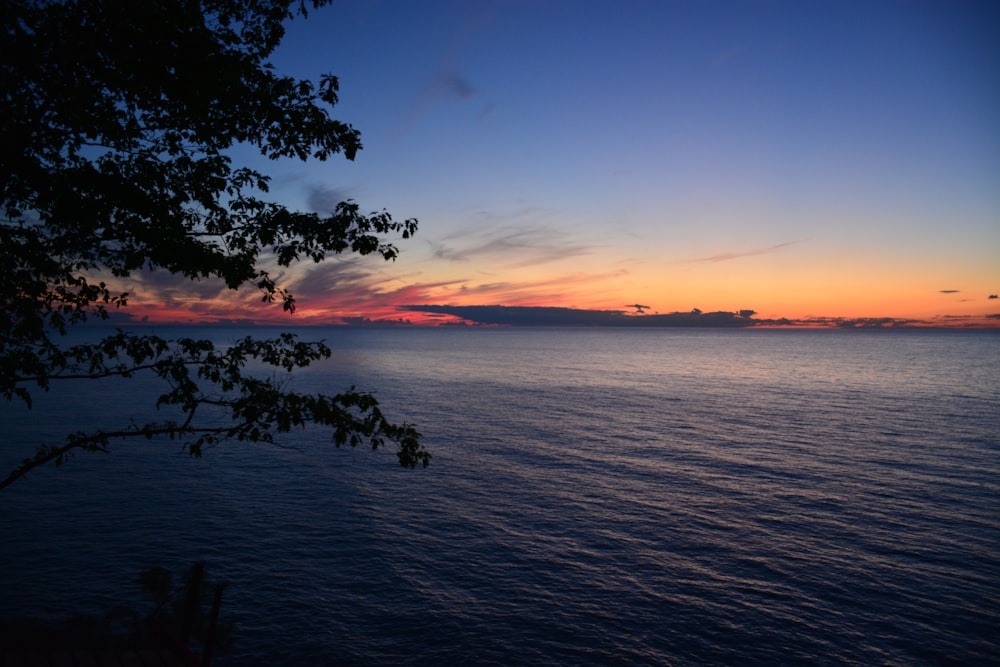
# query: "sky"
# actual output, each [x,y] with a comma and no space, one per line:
[804,159]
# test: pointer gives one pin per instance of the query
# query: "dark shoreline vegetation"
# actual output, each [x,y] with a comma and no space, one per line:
[176,616]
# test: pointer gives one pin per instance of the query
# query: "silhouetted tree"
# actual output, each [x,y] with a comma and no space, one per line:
[117,119]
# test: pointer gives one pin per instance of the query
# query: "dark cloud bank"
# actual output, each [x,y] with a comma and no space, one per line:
[573,317]
[551,316]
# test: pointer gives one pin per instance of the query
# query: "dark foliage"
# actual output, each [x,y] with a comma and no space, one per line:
[179,619]
[117,119]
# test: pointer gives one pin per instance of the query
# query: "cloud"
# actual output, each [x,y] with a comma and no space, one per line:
[349,287]
[335,291]
[445,87]
[343,290]
[936,322]
[323,199]
[576,289]
[516,246]
[556,316]
[449,83]
[729,256]
[335,276]
[948,291]
[728,55]
[352,290]
[175,289]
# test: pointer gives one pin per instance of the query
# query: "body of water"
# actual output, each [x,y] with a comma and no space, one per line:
[596,496]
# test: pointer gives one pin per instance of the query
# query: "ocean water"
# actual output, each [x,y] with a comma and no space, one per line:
[596,497]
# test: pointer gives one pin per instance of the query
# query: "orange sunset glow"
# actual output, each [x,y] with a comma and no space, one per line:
[816,163]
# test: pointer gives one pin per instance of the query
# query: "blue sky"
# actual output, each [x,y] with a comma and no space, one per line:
[798,158]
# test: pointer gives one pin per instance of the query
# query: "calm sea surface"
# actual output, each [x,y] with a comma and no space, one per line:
[598,496]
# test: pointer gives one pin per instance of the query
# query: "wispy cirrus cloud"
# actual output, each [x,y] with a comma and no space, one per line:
[362,290]
[512,246]
[323,199]
[357,281]
[175,292]
[577,288]
[447,86]
[728,55]
[729,256]
[344,289]
[334,292]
